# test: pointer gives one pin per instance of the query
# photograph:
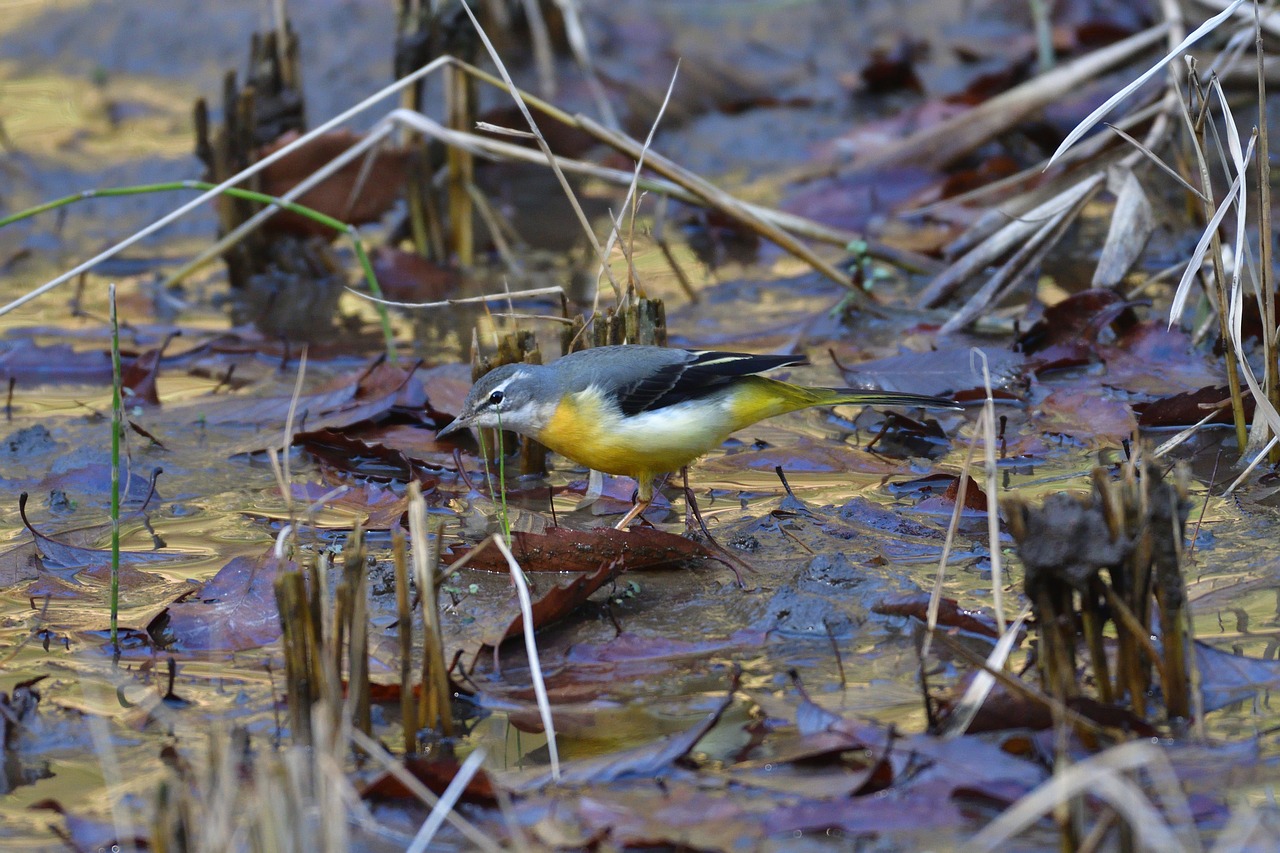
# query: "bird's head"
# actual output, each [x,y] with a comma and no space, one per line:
[518,397]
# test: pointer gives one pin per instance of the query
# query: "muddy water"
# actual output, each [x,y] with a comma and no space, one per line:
[99,95]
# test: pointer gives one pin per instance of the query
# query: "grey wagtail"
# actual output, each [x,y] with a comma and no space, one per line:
[646,411]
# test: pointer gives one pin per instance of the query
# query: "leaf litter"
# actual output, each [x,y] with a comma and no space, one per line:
[835,572]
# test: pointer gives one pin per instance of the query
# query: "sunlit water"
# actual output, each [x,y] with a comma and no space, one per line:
[862,665]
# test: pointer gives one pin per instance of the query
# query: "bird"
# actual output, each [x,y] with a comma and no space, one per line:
[646,411]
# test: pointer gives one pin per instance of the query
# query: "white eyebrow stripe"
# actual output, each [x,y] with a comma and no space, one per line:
[519,374]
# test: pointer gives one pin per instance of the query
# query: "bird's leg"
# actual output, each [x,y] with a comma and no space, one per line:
[644,497]
[637,508]
[691,511]
[732,560]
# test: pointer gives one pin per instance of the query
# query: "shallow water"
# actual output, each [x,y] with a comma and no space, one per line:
[807,606]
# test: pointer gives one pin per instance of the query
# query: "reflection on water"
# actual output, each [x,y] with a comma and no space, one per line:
[71,128]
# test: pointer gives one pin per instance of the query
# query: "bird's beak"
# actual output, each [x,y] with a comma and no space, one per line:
[453,426]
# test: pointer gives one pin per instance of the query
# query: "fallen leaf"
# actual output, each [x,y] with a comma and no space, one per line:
[644,761]
[1190,407]
[1078,318]
[563,550]
[558,602]
[235,610]
[360,192]
[1227,677]
[950,613]
[138,379]
[1087,415]
[435,774]
[29,363]
[68,556]
[82,601]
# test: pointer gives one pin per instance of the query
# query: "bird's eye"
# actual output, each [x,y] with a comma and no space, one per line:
[495,398]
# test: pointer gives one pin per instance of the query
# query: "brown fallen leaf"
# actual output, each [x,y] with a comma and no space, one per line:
[357,193]
[558,602]
[435,774]
[645,761]
[563,550]
[138,379]
[950,613]
[1190,407]
[1079,317]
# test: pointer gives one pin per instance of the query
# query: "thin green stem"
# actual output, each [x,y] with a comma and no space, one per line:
[503,517]
[502,483]
[117,425]
[366,266]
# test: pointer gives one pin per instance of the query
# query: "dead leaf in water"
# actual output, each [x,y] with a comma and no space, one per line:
[950,613]
[558,602]
[435,774]
[30,363]
[560,549]
[235,610]
[1190,407]
[82,601]
[644,761]
[1087,415]
[1078,318]
[138,379]
[358,193]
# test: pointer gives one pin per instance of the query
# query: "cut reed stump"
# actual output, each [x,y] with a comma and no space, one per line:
[1111,559]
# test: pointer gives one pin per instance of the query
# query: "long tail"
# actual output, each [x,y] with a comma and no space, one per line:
[853,397]
[758,397]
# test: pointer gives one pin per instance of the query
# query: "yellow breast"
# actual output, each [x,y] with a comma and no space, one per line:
[593,432]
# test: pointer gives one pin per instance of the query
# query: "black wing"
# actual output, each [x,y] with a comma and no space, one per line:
[701,374]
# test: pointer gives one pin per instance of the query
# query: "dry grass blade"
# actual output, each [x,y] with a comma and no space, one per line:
[576,34]
[935,597]
[1026,259]
[616,230]
[1172,443]
[105,751]
[1111,103]
[1103,777]
[468,300]
[1240,162]
[1132,223]
[949,140]
[531,648]
[543,54]
[1151,155]
[546,149]
[993,486]
[1267,291]
[182,210]
[1269,21]
[447,801]
[280,464]
[788,223]
[1253,463]
[983,682]
[969,705]
[411,783]
[434,706]
[1183,291]
[1004,240]
[712,196]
